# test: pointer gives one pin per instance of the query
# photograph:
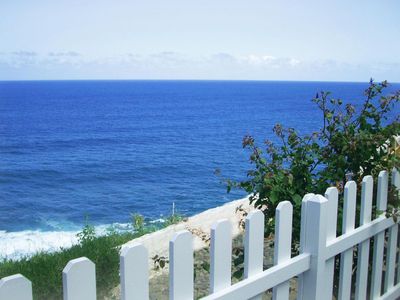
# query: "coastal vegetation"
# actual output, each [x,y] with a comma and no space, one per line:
[44,269]
[354,140]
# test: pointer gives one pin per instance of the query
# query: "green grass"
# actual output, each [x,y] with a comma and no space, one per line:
[44,270]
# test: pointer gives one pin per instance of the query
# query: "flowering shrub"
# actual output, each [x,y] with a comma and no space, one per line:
[352,142]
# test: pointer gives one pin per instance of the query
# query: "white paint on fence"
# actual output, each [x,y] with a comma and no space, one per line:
[379,239]
[396,183]
[283,244]
[396,178]
[304,219]
[79,280]
[332,195]
[391,257]
[348,223]
[314,280]
[303,238]
[15,287]
[363,248]
[392,247]
[134,272]
[255,285]
[382,193]
[221,256]
[181,266]
[254,245]
[319,244]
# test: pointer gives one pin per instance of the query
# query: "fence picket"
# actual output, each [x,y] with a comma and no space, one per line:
[314,243]
[254,245]
[283,244]
[346,258]
[379,239]
[15,287]
[332,195]
[303,228]
[314,266]
[391,257]
[396,178]
[221,256]
[181,266]
[363,248]
[396,183]
[79,280]
[134,272]
[392,247]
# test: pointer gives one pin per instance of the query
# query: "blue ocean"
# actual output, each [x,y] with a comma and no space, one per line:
[102,150]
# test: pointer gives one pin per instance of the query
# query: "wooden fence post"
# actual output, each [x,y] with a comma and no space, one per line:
[181,266]
[396,183]
[134,270]
[379,239]
[282,244]
[15,287]
[348,223]
[363,248]
[254,245]
[79,280]
[392,244]
[314,237]
[303,239]
[332,194]
[221,256]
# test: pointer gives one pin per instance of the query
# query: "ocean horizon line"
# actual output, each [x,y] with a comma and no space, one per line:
[192,80]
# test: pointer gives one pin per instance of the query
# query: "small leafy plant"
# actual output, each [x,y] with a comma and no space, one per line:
[137,222]
[87,234]
[159,262]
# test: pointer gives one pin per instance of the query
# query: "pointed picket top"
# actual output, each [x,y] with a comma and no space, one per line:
[303,228]
[283,232]
[363,248]
[254,245]
[221,255]
[134,272]
[332,195]
[282,244]
[313,282]
[366,199]
[348,223]
[304,202]
[349,206]
[79,280]
[382,193]
[15,287]
[181,274]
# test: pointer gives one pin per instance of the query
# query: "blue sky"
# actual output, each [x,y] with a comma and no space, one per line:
[207,39]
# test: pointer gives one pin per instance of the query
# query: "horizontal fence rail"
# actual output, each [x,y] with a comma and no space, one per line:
[314,266]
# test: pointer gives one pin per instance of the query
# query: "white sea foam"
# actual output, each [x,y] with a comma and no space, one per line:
[15,245]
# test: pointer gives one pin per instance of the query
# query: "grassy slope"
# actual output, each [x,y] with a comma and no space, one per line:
[45,269]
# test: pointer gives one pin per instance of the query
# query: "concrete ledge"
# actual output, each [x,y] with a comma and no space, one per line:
[157,243]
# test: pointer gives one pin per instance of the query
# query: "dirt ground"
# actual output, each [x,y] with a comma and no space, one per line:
[160,280]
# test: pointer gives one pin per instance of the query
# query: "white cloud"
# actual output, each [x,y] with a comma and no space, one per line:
[24,53]
[175,65]
[68,54]
[294,62]
[259,59]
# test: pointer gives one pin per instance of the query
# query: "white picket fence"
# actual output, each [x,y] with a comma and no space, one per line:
[314,266]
